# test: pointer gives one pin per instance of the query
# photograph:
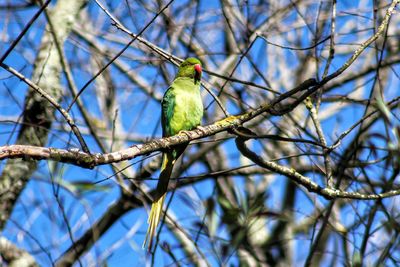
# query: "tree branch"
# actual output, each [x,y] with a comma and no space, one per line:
[328,193]
[15,256]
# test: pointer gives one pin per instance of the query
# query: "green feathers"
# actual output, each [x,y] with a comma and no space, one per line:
[190,68]
[182,110]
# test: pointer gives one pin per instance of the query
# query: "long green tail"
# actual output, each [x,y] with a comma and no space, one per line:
[156,207]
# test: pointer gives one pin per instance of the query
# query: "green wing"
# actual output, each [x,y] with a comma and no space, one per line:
[167,106]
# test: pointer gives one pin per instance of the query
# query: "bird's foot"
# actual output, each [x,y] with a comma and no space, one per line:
[183,132]
[165,146]
[201,129]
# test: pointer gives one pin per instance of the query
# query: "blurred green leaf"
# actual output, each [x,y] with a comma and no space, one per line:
[81,187]
[356,259]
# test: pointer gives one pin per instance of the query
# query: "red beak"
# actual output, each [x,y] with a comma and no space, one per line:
[197,68]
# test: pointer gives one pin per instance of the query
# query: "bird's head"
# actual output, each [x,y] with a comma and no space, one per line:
[190,68]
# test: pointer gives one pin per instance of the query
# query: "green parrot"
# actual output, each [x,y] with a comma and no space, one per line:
[182,110]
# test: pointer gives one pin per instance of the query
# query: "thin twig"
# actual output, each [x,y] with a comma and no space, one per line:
[321,136]
[23,32]
[119,53]
[52,101]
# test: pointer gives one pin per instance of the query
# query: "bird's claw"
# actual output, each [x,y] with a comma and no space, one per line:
[164,145]
[201,129]
[183,132]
